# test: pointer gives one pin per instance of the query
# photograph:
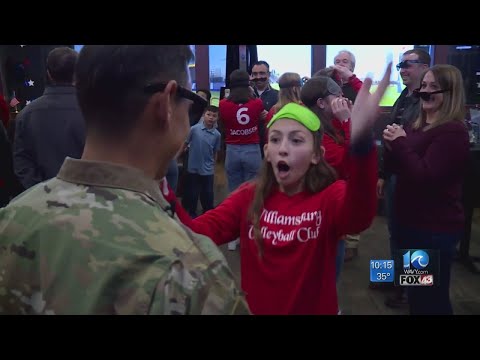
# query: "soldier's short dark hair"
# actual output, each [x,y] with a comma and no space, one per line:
[110,82]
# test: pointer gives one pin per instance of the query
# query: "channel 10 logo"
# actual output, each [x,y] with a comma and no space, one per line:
[418,260]
[419,267]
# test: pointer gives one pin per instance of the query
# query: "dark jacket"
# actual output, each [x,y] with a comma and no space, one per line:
[9,184]
[46,132]
[405,111]
[269,98]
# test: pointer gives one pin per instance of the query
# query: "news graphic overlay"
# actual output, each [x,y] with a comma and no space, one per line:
[416,267]
[382,271]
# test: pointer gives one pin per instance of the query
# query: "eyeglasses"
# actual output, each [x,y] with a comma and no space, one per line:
[199,103]
[405,64]
[426,96]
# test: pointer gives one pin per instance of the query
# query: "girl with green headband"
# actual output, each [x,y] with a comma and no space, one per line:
[291,217]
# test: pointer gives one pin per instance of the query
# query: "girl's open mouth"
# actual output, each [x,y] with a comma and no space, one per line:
[283,167]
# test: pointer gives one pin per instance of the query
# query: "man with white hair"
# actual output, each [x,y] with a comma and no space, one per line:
[345,66]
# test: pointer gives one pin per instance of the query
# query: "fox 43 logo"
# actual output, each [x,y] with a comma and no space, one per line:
[416,267]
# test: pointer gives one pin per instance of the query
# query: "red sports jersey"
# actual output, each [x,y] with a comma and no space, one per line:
[241,121]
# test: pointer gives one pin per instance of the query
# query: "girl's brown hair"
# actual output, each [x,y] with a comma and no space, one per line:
[239,87]
[290,86]
[317,178]
[318,88]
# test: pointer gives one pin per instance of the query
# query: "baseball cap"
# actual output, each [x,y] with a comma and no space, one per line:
[319,87]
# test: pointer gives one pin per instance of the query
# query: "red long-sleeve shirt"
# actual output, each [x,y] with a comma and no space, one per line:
[336,154]
[355,83]
[297,272]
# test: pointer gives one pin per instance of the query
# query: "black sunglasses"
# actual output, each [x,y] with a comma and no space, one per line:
[199,103]
[407,63]
[424,95]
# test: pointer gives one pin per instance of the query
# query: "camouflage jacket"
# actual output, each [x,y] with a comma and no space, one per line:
[100,238]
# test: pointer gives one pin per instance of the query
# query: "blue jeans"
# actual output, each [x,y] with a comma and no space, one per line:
[431,300]
[242,163]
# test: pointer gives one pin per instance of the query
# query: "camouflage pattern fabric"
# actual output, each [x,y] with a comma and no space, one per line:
[100,239]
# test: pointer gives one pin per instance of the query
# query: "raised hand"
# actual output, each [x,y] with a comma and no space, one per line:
[365,110]
[341,108]
[344,72]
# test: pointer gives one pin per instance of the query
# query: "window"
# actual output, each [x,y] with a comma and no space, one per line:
[286,58]
[218,67]
[370,61]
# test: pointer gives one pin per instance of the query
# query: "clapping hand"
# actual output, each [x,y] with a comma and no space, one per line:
[393,132]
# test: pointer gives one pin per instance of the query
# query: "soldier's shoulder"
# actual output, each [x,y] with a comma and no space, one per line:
[59,204]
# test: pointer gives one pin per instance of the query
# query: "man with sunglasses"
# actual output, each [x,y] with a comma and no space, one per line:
[100,238]
[405,110]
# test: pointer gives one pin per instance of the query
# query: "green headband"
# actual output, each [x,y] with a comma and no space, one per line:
[299,113]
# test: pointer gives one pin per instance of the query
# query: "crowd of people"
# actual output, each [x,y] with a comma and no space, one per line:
[99,228]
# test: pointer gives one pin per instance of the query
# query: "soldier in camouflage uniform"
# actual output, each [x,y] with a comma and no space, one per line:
[100,238]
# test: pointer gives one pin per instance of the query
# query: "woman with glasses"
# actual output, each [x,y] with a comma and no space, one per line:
[429,158]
